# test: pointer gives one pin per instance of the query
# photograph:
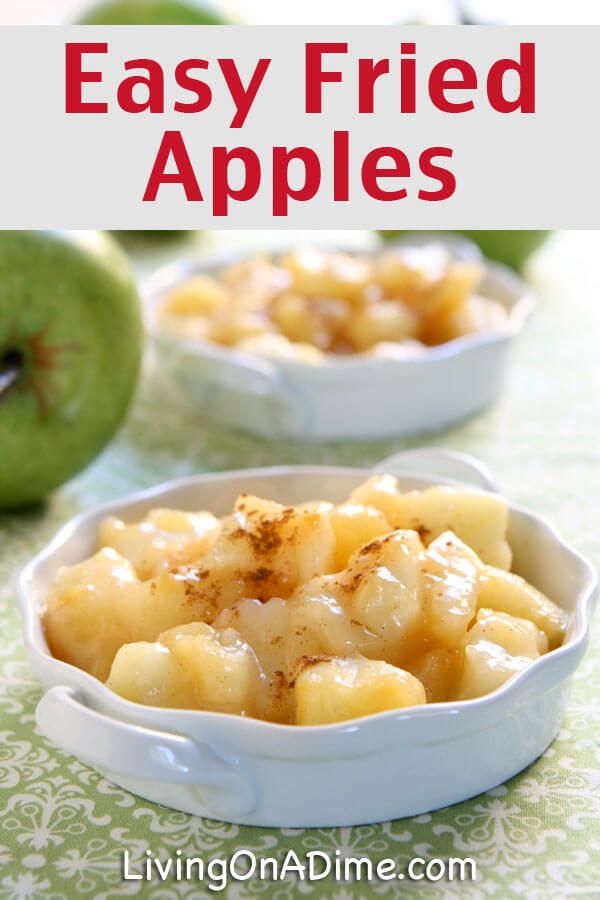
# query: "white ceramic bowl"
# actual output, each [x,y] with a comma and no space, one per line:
[354,397]
[379,767]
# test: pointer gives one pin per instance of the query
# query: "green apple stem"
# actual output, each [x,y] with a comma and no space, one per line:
[11,367]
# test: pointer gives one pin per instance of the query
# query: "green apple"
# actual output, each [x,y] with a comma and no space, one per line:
[509,247]
[70,349]
[151,12]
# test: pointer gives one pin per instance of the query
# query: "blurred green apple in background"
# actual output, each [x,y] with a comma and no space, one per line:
[509,247]
[147,239]
[151,12]
[70,349]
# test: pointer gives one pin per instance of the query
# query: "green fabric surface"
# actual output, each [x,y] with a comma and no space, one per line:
[63,826]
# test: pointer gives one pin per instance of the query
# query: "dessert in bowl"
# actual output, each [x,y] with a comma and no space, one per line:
[414,695]
[317,305]
[417,334]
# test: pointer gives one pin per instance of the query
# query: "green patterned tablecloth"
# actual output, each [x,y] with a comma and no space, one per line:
[63,827]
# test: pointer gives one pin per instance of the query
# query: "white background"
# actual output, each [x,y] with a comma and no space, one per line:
[332,12]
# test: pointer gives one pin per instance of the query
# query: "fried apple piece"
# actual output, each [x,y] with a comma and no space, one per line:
[283,632]
[321,273]
[411,272]
[200,295]
[165,538]
[192,667]
[233,325]
[518,636]
[381,588]
[450,585]
[85,619]
[147,672]
[354,525]
[449,297]
[339,689]
[383,320]
[476,315]
[266,550]
[479,518]
[276,346]
[438,671]
[509,593]
[487,667]
[381,592]
[298,321]
[99,605]
[496,648]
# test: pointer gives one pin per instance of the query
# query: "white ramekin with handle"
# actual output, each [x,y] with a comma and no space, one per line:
[348,398]
[379,767]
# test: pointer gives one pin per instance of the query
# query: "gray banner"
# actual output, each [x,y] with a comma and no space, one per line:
[526,170]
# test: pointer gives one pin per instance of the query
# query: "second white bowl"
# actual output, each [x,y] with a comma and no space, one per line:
[355,398]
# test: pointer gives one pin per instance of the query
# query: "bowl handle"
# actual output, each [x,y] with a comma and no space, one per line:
[264,377]
[136,752]
[441,462]
[257,375]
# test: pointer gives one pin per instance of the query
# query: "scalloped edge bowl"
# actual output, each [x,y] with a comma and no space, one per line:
[389,397]
[379,767]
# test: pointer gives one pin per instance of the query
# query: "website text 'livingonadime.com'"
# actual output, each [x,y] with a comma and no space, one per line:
[316,865]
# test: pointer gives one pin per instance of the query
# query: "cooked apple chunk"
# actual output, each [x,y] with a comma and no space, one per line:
[283,632]
[354,525]
[200,295]
[266,550]
[496,648]
[265,627]
[339,689]
[99,605]
[450,580]
[148,673]
[84,621]
[476,314]
[438,671]
[486,667]
[380,590]
[519,637]
[316,273]
[190,667]
[478,518]
[320,626]
[163,539]
[381,320]
[509,593]
[172,598]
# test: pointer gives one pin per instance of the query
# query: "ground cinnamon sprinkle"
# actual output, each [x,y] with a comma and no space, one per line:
[306,662]
[350,586]
[260,574]
[266,538]
[279,685]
